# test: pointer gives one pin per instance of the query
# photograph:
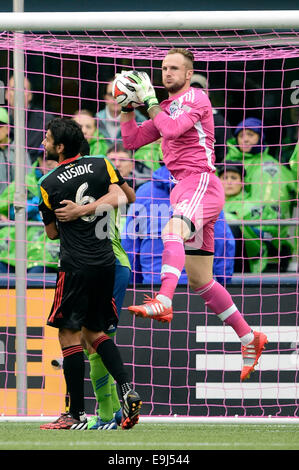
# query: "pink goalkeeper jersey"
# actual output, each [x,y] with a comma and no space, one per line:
[187,129]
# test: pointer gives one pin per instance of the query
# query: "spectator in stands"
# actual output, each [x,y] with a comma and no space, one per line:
[135,172]
[258,245]
[266,180]
[7,153]
[109,117]
[146,219]
[42,253]
[97,143]
[150,155]
[36,120]
[222,126]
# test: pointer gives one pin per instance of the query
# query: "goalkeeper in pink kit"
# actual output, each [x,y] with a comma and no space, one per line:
[185,122]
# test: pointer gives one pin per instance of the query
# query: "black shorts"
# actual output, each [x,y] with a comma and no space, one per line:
[84,298]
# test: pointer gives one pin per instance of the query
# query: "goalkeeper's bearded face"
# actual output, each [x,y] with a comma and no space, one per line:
[175,74]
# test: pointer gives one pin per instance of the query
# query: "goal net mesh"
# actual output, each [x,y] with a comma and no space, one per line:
[192,366]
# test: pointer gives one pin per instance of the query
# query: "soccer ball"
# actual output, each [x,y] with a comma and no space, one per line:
[124,92]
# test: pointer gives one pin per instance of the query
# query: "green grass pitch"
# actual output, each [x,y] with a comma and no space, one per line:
[187,437]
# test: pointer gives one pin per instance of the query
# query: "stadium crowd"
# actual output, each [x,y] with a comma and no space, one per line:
[258,186]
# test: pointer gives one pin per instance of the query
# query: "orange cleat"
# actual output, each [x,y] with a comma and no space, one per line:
[251,354]
[154,309]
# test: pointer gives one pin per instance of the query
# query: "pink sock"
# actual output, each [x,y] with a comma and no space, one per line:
[219,300]
[173,260]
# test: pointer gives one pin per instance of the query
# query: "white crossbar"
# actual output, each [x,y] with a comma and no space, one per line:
[171,20]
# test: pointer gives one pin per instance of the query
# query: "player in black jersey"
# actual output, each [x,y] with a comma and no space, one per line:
[83,301]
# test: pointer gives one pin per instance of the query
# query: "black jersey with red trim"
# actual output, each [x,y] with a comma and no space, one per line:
[85,241]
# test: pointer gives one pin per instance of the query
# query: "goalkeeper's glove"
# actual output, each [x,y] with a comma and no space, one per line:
[144,89]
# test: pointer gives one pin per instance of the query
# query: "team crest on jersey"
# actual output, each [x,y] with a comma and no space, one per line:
[175,105]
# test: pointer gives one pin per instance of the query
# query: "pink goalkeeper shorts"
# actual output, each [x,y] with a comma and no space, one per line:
[199,198]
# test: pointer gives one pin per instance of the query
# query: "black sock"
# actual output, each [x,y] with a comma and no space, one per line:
[74,368]
[111,358]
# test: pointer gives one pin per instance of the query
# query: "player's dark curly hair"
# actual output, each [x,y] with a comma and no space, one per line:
[69,133]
